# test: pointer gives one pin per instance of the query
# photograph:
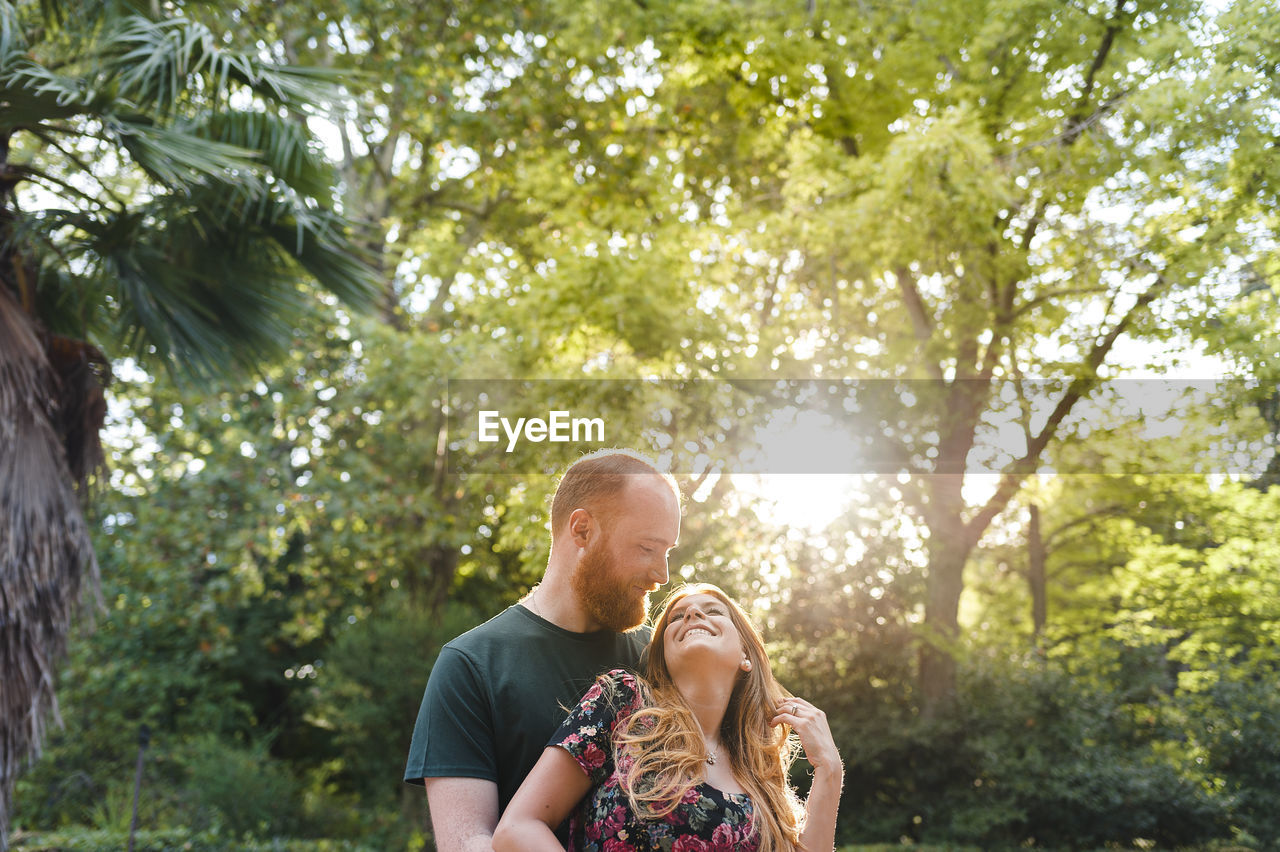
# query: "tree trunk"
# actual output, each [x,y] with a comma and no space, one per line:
[947,556]
[1269,408]
[46,556]
[1035,574]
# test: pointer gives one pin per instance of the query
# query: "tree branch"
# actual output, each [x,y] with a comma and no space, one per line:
[921,322]
[1079,119]
[474,230]
[1017,472]
[1054,294]
[1033,225]
[1111,510]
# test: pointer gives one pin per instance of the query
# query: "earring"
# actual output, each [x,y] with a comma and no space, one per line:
[746,665]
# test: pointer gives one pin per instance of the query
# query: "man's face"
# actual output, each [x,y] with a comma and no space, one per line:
[627,558]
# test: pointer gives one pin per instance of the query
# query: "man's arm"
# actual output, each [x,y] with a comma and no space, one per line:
[464,813]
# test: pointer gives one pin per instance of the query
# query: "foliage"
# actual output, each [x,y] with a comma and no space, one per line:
[1114,734]
[241,788]
[860,193]
[896,847]
[1031,755]
[375,672]
[157,199]
[844,192]
[175,839]
[1160,598]
[985,197]
[1064,764]
[188,241]
[1236,723]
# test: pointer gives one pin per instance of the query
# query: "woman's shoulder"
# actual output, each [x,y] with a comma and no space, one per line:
[620,689]
[622,678]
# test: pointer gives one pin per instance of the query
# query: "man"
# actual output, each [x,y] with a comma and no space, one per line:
[498,692]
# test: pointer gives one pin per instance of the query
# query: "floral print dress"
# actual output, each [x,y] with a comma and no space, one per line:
[706,820]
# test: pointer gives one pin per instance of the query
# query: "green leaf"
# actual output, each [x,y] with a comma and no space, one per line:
[176,158]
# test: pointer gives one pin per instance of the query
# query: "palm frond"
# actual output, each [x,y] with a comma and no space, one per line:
[206,266]
[316,239]
[309,89]
[283,146]
[86,14]
[33,95]
[210,280]
[153,61]
[68,304]
[321,243]
[13,41]
[175,158]
[157,64]
[208,275]
[62,299]
[204,324]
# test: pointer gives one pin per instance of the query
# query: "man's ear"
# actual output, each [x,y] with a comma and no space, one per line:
[582,527]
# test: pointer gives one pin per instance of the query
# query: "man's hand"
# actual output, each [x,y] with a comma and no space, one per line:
[464,813]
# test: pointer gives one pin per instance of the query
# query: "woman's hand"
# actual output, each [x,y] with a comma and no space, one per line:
[823,804]
[810,724]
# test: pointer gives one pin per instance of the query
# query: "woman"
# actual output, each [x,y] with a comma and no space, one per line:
[695,757]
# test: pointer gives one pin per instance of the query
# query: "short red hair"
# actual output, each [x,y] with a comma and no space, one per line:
[593,481]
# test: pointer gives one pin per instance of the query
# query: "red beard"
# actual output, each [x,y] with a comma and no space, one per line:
[610,599]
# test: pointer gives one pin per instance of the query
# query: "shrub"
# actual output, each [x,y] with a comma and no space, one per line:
[371,686]
[240,788]
[1239,727]
[173,840]
[1061,761]
[1027,753]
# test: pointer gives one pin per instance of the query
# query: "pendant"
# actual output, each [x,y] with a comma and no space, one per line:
[711,759]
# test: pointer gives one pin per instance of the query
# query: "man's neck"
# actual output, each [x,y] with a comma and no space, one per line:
[555,602]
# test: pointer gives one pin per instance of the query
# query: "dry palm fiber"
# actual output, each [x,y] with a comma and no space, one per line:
[45,551]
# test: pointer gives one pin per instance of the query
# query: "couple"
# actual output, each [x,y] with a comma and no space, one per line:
[691,756]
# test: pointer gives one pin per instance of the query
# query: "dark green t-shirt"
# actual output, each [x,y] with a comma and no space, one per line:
[499,691]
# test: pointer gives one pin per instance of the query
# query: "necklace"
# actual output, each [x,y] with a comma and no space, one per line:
[532,603]
[711,758]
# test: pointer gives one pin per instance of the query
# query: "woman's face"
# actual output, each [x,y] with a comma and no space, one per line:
[700,634]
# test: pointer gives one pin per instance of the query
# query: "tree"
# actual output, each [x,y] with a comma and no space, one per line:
[873,191]
[159,197]
[906,194]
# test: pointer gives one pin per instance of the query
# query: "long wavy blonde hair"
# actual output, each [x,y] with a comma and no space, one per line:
[661,750]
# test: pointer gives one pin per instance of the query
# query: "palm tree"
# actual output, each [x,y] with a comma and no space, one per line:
[160,198]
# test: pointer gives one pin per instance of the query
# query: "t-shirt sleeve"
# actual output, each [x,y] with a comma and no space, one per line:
[453,737]
[587,733]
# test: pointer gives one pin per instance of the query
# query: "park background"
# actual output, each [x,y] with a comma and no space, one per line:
[282,228]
